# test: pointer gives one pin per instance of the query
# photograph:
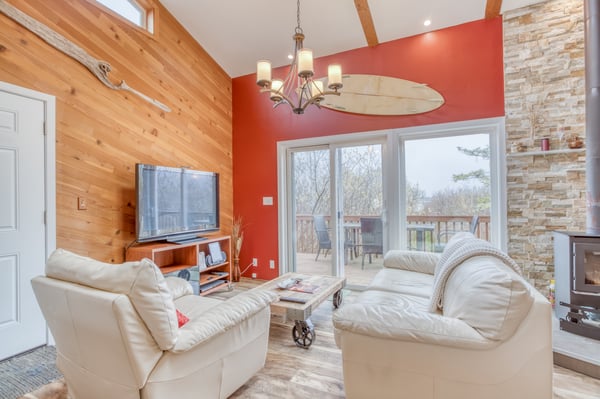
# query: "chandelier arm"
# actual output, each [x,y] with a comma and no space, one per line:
[316,99]
[284,97]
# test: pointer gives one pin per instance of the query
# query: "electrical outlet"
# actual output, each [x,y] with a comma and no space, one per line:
[254,262]
[81,203]
[253,275]
[272,264]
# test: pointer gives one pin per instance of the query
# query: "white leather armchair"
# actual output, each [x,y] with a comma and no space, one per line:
[117,333]
[488,335]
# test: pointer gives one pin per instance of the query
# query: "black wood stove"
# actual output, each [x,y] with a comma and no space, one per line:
[577,272]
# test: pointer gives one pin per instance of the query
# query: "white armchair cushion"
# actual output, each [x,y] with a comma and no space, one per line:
[179,287]
[209,320]
[402,282]
[487,295]
[141,281]
[458,252]
[415,261]
[407,323]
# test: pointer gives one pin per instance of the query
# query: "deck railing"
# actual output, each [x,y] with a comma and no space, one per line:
[438,226]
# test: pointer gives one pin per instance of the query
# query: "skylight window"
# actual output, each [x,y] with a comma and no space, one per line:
[131,10]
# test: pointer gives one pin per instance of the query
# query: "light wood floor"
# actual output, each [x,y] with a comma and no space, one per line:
[292,372]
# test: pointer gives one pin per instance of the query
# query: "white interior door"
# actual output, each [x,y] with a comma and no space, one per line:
[22,227]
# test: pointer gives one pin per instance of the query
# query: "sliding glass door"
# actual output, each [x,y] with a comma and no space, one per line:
[349,199]
[339,234]
[310,194]
[361,197]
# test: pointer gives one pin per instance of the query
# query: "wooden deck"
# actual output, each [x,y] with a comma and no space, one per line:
[353,271]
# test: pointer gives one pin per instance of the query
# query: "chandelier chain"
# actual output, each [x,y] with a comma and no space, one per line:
[298,28]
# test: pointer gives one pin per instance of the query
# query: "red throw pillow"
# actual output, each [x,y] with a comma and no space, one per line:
[181,318]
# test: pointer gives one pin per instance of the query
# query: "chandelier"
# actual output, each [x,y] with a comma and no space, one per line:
[298,89]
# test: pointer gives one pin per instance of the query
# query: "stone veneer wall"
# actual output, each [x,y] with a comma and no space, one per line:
[544,97]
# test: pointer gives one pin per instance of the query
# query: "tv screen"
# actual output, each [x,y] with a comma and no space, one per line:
[175,204]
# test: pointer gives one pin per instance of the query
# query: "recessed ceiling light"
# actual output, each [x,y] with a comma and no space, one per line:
[290,56]
[427,22]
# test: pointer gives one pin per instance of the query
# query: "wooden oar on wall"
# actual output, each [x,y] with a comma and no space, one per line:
[99,68]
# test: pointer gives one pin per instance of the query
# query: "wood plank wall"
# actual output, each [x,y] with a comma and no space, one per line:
[101,133]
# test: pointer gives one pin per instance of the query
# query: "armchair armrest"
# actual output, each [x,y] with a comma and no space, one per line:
[178,287]
[409,325]
[222,317]
[416,261]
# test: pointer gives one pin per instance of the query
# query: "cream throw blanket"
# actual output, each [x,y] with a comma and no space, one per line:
[453,256]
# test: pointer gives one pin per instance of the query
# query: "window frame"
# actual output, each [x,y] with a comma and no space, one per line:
[394,183]
[150,10]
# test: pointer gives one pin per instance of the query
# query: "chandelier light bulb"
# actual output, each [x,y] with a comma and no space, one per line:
[305,63]
[334,76]
[263,73]
[276,89]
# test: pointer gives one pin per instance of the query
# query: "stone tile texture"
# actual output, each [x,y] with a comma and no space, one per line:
[544,97]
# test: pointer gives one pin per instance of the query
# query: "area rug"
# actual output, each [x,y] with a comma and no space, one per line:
[27,372]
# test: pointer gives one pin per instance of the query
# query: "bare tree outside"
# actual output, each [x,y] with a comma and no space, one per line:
[311,180]
[471,198]
[362,180]
[452,178]
[363,185]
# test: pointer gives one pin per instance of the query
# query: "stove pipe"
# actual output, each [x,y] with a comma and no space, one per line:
[592,113]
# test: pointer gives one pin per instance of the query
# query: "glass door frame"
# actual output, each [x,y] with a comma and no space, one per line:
[394,181]
[494,128]
[287,225]
[336,161]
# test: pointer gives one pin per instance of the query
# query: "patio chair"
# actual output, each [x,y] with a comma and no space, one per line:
[371,233]
[439,247]
[322,232]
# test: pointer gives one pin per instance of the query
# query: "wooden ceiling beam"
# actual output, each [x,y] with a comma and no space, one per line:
[366,20]
[492,8]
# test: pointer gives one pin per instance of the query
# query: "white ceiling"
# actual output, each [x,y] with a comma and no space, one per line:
[237,33]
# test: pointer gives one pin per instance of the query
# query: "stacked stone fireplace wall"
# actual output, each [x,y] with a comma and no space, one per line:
[544,97]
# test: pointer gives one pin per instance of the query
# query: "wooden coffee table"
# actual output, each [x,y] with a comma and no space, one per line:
[303,331]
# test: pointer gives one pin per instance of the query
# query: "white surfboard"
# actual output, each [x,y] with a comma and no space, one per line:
[383,95]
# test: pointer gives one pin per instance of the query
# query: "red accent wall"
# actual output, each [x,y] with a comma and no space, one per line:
[464,63]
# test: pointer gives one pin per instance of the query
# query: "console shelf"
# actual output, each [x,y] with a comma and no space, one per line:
[171,257]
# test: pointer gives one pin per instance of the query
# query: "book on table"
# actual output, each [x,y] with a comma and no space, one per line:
[305,286]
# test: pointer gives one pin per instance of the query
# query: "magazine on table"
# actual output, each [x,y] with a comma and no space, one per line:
[304,286]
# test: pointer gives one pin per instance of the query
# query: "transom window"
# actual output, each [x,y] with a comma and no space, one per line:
[131,10]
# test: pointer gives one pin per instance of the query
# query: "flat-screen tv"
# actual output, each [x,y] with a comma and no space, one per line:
[175,204]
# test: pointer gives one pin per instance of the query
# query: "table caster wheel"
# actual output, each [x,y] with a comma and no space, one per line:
[337,299]
[303,333]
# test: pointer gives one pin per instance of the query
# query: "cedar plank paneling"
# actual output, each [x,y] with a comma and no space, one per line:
[102,133]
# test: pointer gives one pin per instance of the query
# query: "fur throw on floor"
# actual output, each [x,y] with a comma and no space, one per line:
[54,390]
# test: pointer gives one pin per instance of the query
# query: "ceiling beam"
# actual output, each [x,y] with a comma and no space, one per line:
[366,20]
[492,8]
